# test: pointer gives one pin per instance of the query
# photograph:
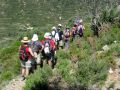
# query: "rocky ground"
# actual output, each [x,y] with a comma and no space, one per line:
[15,84]
[113,80]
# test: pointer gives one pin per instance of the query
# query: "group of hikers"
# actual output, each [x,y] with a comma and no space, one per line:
[35,52]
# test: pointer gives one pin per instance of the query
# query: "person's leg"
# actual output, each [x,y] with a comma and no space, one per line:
[23,71]
[57,44]
[38,60]
[49,62]
[50,59]
[28,66]
[27,72]
[67,43]
[23,68]
[61,44]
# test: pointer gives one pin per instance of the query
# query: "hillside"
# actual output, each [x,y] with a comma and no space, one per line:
[89,71]
[17,15]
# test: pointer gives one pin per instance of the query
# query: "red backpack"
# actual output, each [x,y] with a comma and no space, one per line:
[23,54]
[67,33]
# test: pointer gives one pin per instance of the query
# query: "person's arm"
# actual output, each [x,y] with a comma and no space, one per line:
[30,50]
[41,48]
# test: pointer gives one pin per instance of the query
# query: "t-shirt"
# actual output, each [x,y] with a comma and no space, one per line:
[61,35]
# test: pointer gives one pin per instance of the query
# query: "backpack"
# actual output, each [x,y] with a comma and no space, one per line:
[23,55]
[53,34]
[35,46]
[74,31]
[67,33]
[80,30]
[47,47]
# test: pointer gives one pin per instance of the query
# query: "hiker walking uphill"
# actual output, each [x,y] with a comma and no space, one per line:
[94,27]
[49,48]
[55,36]
[74,32]
[80,28]
[26,56]
[61,44]
[67,37]
[36,47]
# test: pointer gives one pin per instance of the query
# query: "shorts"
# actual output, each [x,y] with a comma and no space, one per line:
[26,64]
[48,56]
[61,43]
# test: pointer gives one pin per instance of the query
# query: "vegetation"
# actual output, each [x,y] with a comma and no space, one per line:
[78,66]
[40,79]
[9,66]
[91,67]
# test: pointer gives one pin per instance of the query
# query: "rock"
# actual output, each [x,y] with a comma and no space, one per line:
[105,48]
[115,41]
[110,71]
[72,71]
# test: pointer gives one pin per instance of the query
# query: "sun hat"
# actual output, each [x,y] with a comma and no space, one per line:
[54,28]
[60,25]
[47,35]
[35,37]
[25,40]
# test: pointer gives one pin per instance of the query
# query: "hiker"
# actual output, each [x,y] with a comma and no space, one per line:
[80,28]
[76,21]
[67,37]
[26,56]
[36,47]
[94,27]
[55,36]
[74,32]
[49,47]
[61,44]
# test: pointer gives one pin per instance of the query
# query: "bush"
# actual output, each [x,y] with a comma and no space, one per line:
[39,79]
[110,15]
[66,71]
[63,54]
[91,72]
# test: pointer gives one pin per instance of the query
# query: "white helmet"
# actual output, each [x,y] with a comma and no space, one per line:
[47,35]
[60,25]
[81,21]
[54,28]
[35,37]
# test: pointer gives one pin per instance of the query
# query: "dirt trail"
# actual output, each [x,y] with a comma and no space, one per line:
[113,80]
[15,84]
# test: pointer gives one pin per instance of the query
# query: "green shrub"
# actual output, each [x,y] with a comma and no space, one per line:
[110,15]
[91,72]
[63,54]
[39,79]
[66,71]
[10,62]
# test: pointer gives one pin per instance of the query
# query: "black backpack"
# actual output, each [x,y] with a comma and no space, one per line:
[80,30]
[23,54]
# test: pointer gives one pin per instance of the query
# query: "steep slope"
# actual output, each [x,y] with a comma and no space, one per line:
[18,14]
